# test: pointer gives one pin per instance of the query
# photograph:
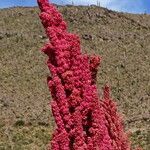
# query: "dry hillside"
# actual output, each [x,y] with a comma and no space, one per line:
[123,42]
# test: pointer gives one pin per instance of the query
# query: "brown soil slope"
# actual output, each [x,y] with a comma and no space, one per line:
[123,41]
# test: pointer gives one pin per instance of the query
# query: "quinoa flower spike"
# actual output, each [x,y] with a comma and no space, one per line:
[83,121]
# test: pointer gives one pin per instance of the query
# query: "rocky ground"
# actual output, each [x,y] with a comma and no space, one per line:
[123,42]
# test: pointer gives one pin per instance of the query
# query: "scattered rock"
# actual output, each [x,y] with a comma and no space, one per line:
[87,37]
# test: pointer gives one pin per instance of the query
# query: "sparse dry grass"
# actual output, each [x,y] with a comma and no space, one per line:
[25,137]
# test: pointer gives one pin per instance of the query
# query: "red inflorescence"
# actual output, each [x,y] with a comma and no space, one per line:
[84,122]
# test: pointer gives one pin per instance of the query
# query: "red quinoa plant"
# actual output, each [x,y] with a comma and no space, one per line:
[84,121]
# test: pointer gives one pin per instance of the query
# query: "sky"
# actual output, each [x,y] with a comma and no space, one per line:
[131,6]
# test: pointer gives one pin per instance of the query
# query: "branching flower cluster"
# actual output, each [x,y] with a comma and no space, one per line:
[84,122]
